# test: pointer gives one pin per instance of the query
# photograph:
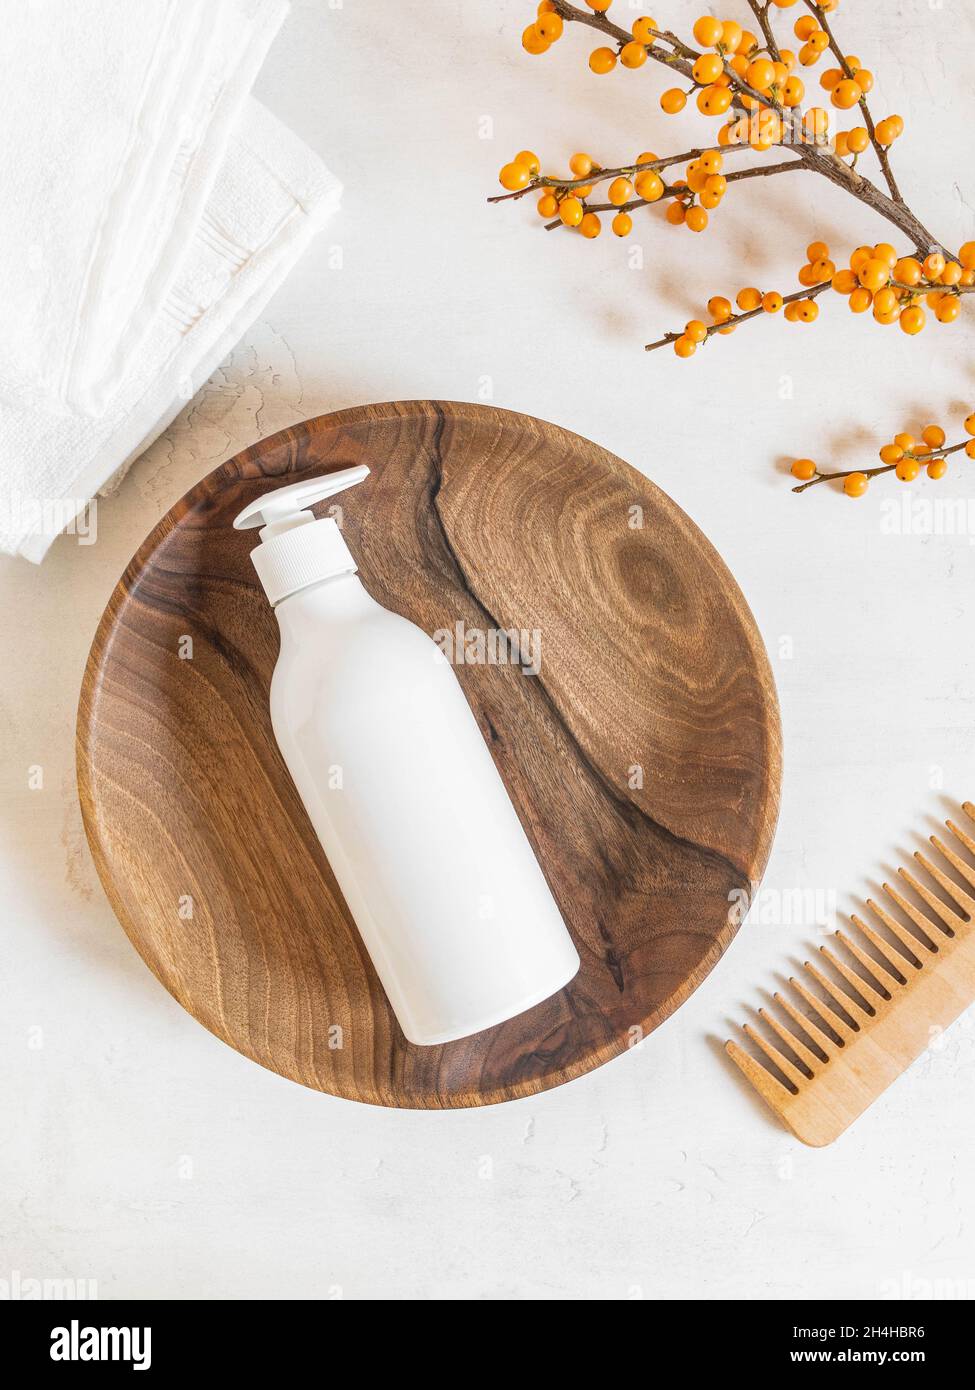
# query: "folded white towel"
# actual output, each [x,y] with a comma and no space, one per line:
[116,121]
[270,196]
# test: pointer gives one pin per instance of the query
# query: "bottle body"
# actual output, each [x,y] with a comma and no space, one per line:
[418,828]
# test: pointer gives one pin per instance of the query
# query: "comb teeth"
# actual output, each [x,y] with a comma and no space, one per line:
[842,1038]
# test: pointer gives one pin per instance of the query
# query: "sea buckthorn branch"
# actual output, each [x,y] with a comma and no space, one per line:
[679,190]
[806,135]
[883,159]
[725,321]
[598,175]
[904,456]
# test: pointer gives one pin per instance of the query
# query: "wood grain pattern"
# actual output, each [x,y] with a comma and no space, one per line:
[650,658]
[869,1009]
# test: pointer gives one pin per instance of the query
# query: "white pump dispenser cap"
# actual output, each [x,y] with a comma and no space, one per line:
[296,550]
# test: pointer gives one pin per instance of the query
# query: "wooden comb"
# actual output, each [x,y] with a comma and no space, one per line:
[848,1036]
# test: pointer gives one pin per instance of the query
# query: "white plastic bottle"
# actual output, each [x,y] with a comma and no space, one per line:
[400,787]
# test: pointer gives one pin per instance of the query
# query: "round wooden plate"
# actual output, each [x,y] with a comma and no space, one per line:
[643,758]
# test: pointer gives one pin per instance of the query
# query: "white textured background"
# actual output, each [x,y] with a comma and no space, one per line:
[140,1152]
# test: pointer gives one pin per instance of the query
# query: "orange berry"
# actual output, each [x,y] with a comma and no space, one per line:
[804,27]
[855,484]
[590,226]
[952,273]
[514,177]
[857,139]
[934,265]
[905,441]
[846,94]
[533,40]
[707,68]
[720,309]
[713,101]
[937,468]
[883,251]
[684,347]
[672,101]
[748,298]
[696,219]
[912,319]
[649,185]
[602,60]
[874,273]
[620,192]
[817,251]
[933,436]
[717,185]
[908,271]
[746,44]
[600,6]
[823,270]
[889,129]
[550,26]
[966,254]
[622,224]
[891,453]
[707,31]
[571,211]
[696,331]
[816,123]
[864,80]
[885,301]
[793,91]
[907,470]
[676,213]
[840,144]
[807,276]
[948,309]
[803,469]
[860,300]
[642,29]
[807,310]
[792,311]
[581,165]
[760,74]
[830,78]
[530,161]
[633,55]
[731,35]
[548,205]
[844,282]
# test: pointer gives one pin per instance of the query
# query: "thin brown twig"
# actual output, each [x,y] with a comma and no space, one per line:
[761,14]
[743,317]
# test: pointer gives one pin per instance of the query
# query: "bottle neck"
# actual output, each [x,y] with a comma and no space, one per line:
[341,598]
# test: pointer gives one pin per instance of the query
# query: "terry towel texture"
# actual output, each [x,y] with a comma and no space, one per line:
[150,209]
